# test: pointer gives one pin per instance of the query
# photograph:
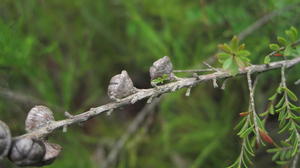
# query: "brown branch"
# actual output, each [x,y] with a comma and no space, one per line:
[155,92]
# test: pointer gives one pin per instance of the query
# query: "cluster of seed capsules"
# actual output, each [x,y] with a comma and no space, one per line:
[28,151]
[25,151]
[121,85]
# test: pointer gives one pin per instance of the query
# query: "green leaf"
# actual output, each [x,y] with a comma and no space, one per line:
[273,97]
[243,53]
[279,90]
[227,63]
[234,69]
[291,94]
[234,43]
[225,47]
[280,103]
[223,56]
[290,35]
[282,162]
[288,51]
[274,47]
[282,41]
[242,46]
[240,62]
[272,111]
[267,60]
[294,31]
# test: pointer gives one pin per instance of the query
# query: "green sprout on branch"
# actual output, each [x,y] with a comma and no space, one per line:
[285,46]
[233,56]
[161,80]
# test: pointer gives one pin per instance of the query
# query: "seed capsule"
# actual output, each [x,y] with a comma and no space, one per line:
[162,67]
[120,86]
[38,117]
[27,152]
[52,152]
[5,139]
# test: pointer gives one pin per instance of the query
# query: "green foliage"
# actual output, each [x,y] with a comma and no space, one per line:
[161,80]
[288,122]
[286,45]
[233,56]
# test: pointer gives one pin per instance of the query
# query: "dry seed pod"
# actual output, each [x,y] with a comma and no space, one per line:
[38,117]
[52,152]
[27,152]
[5,139]
[120,86]
[162,67]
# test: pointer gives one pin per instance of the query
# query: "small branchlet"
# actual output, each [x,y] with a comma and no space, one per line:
[188,91]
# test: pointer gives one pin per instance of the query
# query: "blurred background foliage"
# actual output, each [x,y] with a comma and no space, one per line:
[63,53]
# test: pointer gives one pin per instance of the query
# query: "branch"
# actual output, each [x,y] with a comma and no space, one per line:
[154,92]
[252,106]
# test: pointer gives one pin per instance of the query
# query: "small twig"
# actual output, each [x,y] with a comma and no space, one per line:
[224,84]
[215,84]
[65,129]
[283,79]
[188,91]
[150,100]
[68,115]
[252,106]
[297,82]
[109,112]
[211,67]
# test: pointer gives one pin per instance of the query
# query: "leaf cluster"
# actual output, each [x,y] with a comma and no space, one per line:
[285,46]
[288,117]
[160,80]
[233,56]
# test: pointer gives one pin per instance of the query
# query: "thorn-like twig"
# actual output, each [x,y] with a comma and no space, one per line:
[215,84]
[108,113]
[68,115]
[211,67]
[188,91]
[224,84]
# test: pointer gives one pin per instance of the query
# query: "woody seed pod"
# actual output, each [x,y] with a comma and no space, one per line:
[52,152]
[120,86]
[38,117]
[27,152]
[5,139]
[162,67]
